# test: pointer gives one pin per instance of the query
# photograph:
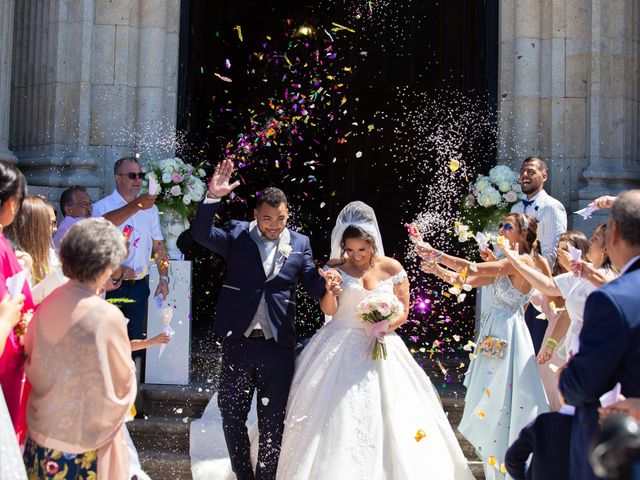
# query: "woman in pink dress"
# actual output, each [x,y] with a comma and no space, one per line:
[12,377]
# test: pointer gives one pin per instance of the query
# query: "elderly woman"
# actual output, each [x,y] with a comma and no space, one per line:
[79,365]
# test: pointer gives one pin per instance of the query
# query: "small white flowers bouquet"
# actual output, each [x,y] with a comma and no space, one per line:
[490,197]
[379,311]
[178,185]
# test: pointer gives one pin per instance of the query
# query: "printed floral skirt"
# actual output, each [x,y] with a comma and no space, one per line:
[49,464]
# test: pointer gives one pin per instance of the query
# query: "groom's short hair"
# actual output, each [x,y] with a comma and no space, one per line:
[272,196]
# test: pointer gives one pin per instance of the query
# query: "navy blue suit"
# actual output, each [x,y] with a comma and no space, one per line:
[255,363]
[609,353]
[548,437]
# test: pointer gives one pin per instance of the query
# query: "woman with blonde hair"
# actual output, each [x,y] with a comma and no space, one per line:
[31,233]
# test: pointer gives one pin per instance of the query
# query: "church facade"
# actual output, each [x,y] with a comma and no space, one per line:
[83,82]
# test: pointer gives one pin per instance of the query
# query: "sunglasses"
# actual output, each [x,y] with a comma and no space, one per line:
[81,204]
[507,226]
[132,175]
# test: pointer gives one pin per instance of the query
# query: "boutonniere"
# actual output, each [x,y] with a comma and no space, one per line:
[285,250]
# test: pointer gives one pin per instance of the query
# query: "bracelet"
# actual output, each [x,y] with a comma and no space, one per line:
[551,343]
[438,257]
[165,278]
[212,196]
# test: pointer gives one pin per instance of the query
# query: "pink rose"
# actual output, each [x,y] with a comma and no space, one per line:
[384,308]
[176,177]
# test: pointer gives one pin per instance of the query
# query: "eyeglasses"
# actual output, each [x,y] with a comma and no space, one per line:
[507,226]
[81,204]
[132,175]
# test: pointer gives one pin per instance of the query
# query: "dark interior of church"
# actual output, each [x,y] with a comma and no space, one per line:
[239,58]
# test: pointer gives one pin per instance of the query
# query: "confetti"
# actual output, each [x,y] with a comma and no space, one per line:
[223,78]
[238,29]
[480,414]
[454,165]
[420,434]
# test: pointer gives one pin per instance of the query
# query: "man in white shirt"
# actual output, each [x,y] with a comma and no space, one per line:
[139,219]
[75,204]
[551,217]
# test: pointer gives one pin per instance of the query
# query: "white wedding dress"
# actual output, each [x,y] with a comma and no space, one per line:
[349,416]
[352,417]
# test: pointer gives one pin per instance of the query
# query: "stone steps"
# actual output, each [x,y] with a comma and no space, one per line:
[166,465]
[165,412]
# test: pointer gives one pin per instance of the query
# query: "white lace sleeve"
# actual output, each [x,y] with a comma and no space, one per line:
[399,277]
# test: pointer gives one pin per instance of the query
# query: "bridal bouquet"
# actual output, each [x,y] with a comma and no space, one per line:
[178,185]
[379,311]
[490,198]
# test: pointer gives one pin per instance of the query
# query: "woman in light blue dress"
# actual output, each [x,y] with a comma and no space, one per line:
[504,388]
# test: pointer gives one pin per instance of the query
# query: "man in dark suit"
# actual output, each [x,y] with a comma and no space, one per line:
[610,337]
[548,438]
[256,316]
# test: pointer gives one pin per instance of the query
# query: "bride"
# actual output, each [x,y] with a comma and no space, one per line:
[349,416]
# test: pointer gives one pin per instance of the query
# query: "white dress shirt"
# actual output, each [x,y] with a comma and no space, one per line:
[628,264]
[552,222]
[146,229]
[268,250]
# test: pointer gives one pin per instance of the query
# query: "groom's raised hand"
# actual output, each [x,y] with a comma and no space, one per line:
[219,184]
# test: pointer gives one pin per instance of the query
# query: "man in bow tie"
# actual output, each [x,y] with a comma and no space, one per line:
[255,315]
[552,223]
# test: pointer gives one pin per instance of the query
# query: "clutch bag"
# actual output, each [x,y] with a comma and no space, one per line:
[493,347]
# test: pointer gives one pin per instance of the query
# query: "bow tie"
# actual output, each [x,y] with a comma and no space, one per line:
[268,240]
[528,203]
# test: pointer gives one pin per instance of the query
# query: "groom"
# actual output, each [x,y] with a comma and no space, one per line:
[256,314]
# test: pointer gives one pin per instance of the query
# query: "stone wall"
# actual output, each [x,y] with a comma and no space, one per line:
[92,80]
[569,92]
[95,79]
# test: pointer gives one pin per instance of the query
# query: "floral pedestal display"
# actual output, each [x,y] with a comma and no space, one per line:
[173,224]
[178,188]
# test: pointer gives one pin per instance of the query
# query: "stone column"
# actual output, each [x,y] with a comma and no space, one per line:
[51,93]
[612,117]
[569,93]
[543,89]
[93,80]
[135,79]
[6,46]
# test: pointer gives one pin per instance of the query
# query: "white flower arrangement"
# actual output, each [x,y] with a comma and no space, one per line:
[490,197]
[180,185]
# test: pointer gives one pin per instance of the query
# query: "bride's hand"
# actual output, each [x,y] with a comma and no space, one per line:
[219,184]
[333,280]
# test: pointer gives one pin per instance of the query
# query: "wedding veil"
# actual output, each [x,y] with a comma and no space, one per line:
[360,215]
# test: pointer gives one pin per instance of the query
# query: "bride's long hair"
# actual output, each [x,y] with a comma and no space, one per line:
[353,231]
